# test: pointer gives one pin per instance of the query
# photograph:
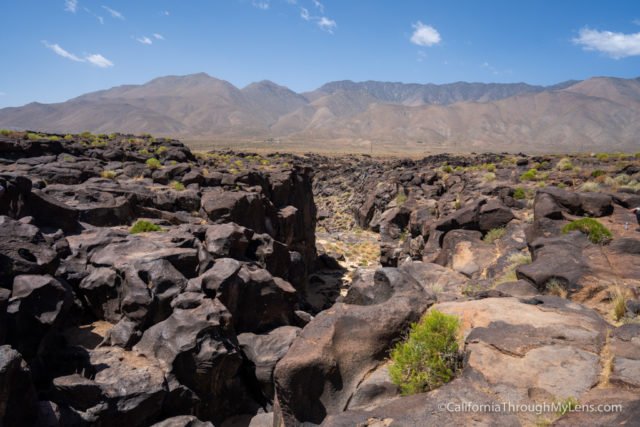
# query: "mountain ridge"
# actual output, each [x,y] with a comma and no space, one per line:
[598,113]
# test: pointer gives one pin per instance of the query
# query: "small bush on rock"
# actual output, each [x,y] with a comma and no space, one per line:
[597,233]
[143,226]
[519,193]
[429,357]
[494,234]
[177,185]
[529,175]
[108,174]
[564,164]
[153,163]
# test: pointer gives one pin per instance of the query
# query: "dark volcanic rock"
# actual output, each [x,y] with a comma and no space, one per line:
[338,348]
[17,395]
[197,346]
[23,250]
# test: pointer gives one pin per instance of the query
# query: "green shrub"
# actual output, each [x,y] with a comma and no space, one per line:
[619,300]
[161,149]
[98,143]
[401,197]
[153,163]
[489,167]
[590,187]
[447,169]
[564,164]
[86,135]
[143,226]
[596,232]
[603,157]
[519,193]
[5,132]
[108,174]
[429,357]
[529,175]
[176,185]
[494,234]
[598,172]
[489,176]
[33,136]
[555,287]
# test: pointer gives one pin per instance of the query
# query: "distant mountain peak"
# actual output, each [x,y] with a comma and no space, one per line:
[597,112]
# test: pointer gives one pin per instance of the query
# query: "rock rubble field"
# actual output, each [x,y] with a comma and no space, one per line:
[143,284]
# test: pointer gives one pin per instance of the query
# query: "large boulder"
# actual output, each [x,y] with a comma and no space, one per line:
[197,346]
[124,388]
[257,301]
[37,307]
[338,348]
[558,258]
[23,250]
[264,351]
[18,398]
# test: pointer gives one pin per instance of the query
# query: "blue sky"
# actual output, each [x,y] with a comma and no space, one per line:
[54,50]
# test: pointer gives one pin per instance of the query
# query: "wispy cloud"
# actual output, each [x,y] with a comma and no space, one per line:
[71,6]
[99,61]
[58,50]
[327,24]
[165,13]
[144,40]
[318,5]
[324,23]
[98,17]
[158,36]
[114,13]
[493,70]
[425,35]
[95,59]
[615,45]
[261,4]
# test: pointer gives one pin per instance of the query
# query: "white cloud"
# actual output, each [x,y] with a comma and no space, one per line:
[327,24]
[158,36]
[165,13]
[261,4]
[292,1]
[60,51]
[71,5]
[324,23]
[318,5]
[98,17]
[615,45]
[145,40]
[95,59]
[99,61]
[425,35]
[114,13]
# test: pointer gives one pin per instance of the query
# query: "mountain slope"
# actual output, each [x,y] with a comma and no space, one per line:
[597,114]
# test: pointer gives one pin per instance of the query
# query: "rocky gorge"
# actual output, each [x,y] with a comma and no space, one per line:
[145,284]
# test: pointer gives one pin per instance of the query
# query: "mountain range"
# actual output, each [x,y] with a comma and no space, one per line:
[601,113]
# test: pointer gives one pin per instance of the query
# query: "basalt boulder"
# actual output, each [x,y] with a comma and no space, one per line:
[337,349]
